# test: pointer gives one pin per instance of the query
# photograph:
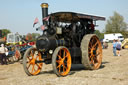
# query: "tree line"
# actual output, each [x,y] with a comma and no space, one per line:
[29,36]
[115,24]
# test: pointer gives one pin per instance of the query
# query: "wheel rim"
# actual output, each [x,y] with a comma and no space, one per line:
[17,54]
[31,65]
[95,52]
[63,62]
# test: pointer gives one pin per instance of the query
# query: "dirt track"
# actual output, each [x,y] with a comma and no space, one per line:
[114,71]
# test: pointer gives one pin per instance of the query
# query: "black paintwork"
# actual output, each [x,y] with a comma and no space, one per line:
[73,26]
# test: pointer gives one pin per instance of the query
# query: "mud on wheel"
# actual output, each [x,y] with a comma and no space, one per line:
[61,61]
[30,64]
[91,51]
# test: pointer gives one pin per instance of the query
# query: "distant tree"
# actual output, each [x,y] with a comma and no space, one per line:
[99,34]
[34,36]
[5,32]
[103,31]
[125,34]
[115,24]
[29,37]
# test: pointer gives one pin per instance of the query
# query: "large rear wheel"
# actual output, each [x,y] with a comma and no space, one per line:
[61,61]
[91,51]
[30,64]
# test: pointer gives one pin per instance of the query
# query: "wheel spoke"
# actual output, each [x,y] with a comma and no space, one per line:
[64,55]
[60,52]
[95,44]
[31,54]
[28,66]
[90,52]
[28,58]
[64,67]
[35,69]
[32,68]
[59,69]
[91,56]
[95,58]
[36,57]
[92,40]
[92,61]
[58,66]
[58,61]
[59,56]
[90,45]
[67,54]
[39,66]
[29,61]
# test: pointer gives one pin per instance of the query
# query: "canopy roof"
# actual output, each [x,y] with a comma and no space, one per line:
[72,16]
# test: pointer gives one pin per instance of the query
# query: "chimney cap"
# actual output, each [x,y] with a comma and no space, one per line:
[44,5]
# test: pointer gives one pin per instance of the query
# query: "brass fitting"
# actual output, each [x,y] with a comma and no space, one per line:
[44,5]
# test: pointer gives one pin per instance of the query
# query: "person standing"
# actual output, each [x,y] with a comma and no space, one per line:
[118,47]
[91,27]
[114,47]
[3,50]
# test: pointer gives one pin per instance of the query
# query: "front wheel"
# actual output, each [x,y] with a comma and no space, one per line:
[61,61]
[30,64]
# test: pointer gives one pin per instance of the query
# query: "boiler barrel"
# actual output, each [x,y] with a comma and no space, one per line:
[55,43]
[45,44]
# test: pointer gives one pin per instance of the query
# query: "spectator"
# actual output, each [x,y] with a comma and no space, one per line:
[3,51]
[118,47]
[114,47]
[92,27]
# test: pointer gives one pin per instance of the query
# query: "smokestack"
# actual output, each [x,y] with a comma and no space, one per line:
[44,7]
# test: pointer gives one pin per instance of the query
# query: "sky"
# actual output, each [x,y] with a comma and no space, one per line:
[18,15]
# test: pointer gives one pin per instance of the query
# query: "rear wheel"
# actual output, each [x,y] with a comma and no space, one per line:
[91,51]
[30,65]
[61,61]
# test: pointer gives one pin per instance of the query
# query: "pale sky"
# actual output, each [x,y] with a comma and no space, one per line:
[19,15]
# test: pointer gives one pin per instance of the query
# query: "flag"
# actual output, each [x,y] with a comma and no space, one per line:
[46,18]
[35,21]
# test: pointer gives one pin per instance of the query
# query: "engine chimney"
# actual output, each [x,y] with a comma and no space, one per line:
[44,7]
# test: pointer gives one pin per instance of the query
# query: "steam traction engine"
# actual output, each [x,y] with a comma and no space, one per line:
[67,39]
